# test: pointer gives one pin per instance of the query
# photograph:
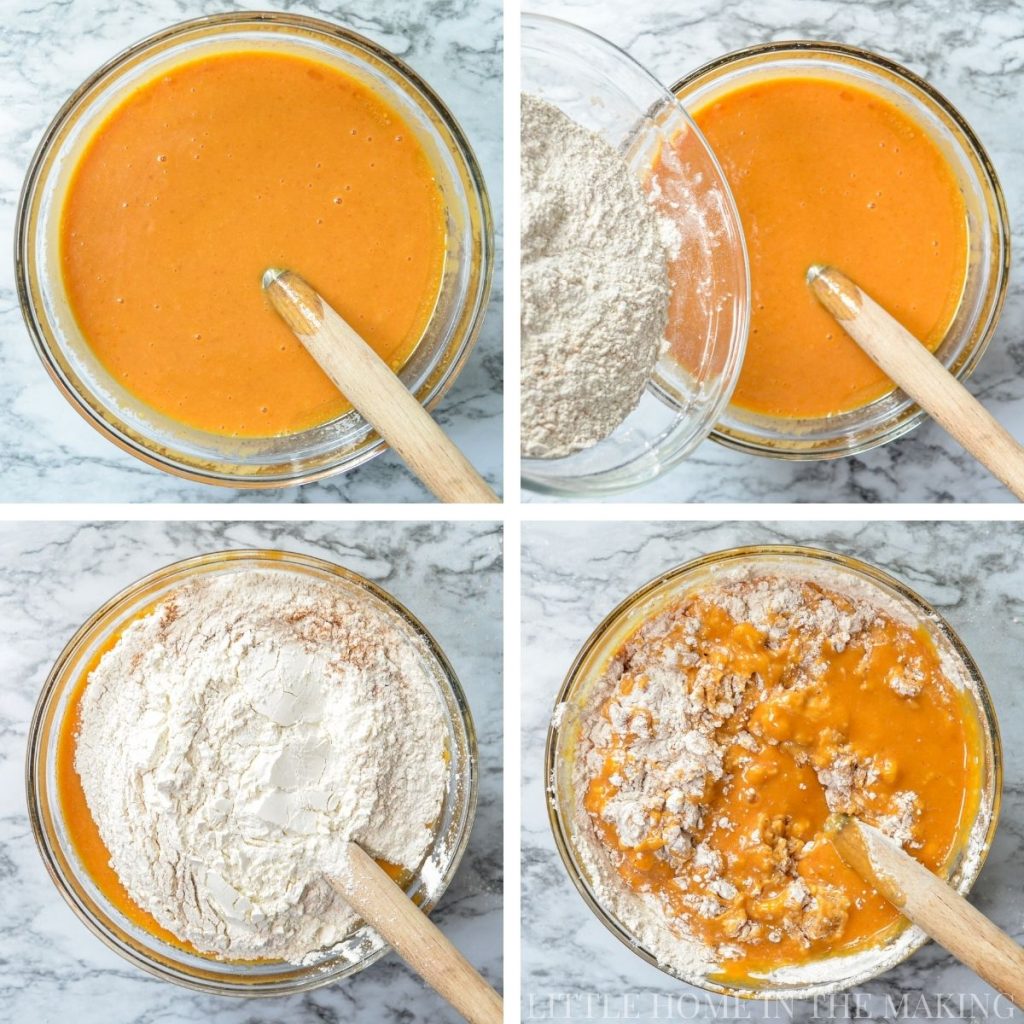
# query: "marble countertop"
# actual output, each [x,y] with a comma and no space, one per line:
[974,54]
[574,574]
[46,49]
[52,968]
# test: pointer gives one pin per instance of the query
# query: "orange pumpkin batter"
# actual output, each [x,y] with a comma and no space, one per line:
[823,171]
[875,724]
[205,176]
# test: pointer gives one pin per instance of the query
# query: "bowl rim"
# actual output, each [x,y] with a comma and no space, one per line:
[180,571]
[988,722]
[911,415]
[597,485]
[112,429]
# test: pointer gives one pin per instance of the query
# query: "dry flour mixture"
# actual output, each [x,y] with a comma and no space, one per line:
[237,735]
[595,284]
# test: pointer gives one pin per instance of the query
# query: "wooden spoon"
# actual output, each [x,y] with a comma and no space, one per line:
[931,904]
[371,386]
[914,369]
[370,891]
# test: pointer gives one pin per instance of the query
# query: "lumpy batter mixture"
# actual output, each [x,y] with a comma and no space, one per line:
[726,730]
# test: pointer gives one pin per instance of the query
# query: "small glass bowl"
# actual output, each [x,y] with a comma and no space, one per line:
[333,447]
[135,944]
[830,570]
[602,88]
[895,414]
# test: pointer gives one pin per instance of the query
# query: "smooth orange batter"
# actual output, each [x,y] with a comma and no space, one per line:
[204,177]
[765,817]
[823,171]
[85,836]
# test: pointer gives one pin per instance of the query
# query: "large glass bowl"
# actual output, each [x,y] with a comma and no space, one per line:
[333,447]
[605,90]
[988,237]
[134,943]
[830,570]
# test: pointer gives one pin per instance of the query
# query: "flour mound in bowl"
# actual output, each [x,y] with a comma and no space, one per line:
[236,737]
[595,285]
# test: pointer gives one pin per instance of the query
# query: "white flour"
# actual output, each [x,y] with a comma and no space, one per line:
[595,285]
[237,736]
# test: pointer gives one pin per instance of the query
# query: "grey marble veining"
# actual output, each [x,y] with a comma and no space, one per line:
[52,969]
[973,53]
[575,573]
[47,47]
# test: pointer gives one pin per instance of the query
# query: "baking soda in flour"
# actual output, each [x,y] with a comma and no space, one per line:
[237,736]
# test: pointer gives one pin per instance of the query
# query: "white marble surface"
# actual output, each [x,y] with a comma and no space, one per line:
[52,969]
[47,48]
[575,573]
[973,53]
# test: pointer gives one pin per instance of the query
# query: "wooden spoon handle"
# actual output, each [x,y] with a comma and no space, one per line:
[416,939]
[913,368]
[932,905]
[375,391]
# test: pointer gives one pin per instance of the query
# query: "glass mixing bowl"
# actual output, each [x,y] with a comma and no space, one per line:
[605,90]
[137,945]
[333,447]
[988,233]
[830,570]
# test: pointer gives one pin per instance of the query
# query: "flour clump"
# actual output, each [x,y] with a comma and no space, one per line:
[236,737]
[595,284]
